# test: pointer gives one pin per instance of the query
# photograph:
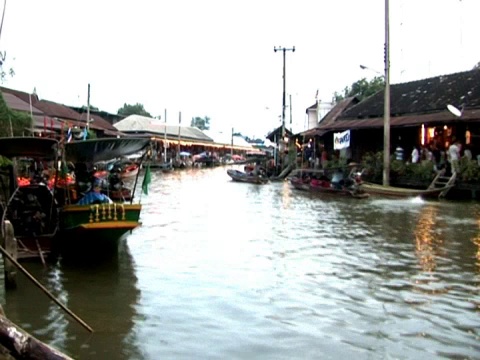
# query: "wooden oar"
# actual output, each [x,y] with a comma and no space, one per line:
[44,289]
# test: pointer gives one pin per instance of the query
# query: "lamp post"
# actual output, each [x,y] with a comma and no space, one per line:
[363,67]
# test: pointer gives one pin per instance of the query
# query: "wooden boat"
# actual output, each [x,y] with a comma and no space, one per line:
[392,191]
[351,190]
[241,176]
[27,202]
[97,228]
[163,166]
[320,181]
[300,183]
[125,168]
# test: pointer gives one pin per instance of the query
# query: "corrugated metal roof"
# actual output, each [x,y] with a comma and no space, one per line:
[422,96]
[277,132]
[26,97]
[16,103]
[443,117]
[53,109]
[98,122]
[226,138]
[143,124]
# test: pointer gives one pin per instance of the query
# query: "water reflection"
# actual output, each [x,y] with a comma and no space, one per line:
[428,241]
[101,294]
[476,241]
[227,270]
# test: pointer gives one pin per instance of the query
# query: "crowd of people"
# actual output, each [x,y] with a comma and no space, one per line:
[442,158]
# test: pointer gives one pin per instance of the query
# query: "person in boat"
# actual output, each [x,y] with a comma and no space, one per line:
[95,195]
[337,179]
[258,170]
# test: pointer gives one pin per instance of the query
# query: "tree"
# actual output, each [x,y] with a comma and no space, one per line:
[12,122]
[4,70]
[84,108]
[361,89]
[201,123]
[136,109]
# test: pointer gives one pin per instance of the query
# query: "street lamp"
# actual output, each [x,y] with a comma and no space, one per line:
[363,67]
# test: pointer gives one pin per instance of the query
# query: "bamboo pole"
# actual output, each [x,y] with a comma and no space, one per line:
[44,289]
[40,252]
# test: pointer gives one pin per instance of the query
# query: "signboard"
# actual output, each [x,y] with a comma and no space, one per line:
[341,140]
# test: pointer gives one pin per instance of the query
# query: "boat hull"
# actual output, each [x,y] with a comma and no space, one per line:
[391,191]
[240,176]
[317,182]
[95,229]
[305,186]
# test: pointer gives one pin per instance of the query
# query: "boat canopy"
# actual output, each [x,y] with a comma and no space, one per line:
[32,147]
[96,150]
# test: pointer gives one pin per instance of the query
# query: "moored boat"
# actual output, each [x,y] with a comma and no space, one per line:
[241,176]
[27,201]
[329,181]
[97,227]
[392,191]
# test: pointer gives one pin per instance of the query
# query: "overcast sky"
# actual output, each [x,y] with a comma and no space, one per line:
[215,57]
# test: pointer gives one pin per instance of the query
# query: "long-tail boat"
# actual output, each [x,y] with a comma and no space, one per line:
[27,202]
[97,227]
[40,201]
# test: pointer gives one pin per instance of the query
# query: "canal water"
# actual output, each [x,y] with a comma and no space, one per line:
[225,270]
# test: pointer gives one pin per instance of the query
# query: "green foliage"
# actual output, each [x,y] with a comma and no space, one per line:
[91,134]
[84,108]
[201,123]
[420,171]
[4,71]
[469,171]
[12,123]
[136,109]
[373,166]
[361,89]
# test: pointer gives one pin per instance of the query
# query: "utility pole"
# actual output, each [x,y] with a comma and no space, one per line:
[284,50]
[88,108]
[386,111]
[291,128]
[179,127]
[231,149]
[165,139]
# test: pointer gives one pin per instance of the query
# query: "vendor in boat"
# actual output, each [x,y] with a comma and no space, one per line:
[337,179]
[95,195]
[258,170]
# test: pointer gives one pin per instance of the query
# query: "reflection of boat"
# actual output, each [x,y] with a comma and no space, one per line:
[98,227]
[240,176]
[111,281]
[391,191]
[330,181]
